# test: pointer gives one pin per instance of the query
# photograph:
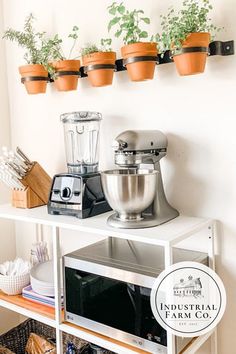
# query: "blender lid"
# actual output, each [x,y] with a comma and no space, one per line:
[80,116]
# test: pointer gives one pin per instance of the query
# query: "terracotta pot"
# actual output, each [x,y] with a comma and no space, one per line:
[142,70]
[192,63]
[34,87]
[66,82]
[100,77]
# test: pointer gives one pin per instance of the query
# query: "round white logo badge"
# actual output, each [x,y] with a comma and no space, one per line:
[188,299]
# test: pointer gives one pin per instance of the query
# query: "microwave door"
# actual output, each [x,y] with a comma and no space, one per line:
[136,300]
[112,307]
[100,299]
[145,324]
[90,287]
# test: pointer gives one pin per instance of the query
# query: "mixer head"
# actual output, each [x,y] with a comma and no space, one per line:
[133,147]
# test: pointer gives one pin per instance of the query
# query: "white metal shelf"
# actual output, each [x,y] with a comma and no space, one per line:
[28,313]
[166,235]
[101,341]
[87,335]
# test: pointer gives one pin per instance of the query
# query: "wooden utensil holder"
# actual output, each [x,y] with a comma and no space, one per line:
[37,187]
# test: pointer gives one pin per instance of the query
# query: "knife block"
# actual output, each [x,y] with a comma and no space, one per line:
[37,188]
[25,199]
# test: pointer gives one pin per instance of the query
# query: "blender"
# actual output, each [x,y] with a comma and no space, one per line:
[79,192]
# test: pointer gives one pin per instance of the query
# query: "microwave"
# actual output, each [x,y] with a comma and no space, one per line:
[108,286]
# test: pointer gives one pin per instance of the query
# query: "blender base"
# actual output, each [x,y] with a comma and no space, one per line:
[147,221]
[77,195]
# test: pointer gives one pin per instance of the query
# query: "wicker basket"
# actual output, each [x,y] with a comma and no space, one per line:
[16,338]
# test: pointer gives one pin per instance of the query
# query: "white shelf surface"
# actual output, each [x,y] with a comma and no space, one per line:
[167,234]
[99,340]
[76,331]
[28,313]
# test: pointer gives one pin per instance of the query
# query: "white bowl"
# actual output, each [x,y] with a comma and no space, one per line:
[13,284]
[43,273]
[42,279]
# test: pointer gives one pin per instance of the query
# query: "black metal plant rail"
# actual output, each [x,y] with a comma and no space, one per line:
[215,48]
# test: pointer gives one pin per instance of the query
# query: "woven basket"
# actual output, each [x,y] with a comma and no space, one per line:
[16,338]
[13,285]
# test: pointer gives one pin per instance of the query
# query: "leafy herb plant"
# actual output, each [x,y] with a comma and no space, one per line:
[74,36]
[105,46]
[193,17]
[39,48]
[127,23]
[89,48]
[54,50]
[51,49]
[30,40]
[54,46]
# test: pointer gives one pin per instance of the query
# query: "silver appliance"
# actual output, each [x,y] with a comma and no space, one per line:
[79,192]
[136,191]
[108,286]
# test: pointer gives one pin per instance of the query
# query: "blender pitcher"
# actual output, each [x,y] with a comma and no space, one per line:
[81,132]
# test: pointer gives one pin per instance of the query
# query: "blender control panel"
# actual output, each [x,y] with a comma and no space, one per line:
[66,189]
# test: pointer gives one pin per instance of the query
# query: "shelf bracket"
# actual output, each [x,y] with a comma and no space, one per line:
[221,48]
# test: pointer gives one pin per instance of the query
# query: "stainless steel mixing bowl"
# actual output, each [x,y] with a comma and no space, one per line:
[129,191]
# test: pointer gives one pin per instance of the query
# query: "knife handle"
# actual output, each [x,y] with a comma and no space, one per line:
[25,159]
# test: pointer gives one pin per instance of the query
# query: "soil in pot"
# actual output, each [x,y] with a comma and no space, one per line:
[34,70]
[192,63]
[142,70]
[100,77]
[66,82]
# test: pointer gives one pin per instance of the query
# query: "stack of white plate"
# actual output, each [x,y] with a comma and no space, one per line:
[42,279]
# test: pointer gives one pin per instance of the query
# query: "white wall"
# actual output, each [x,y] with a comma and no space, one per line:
[197,114]
[7,234]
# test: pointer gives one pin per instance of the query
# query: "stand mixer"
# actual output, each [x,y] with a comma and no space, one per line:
[79,192]
[136,191]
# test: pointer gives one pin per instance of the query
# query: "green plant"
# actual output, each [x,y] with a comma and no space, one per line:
[89,49]
[51,49]
[193,17]
[128,23]
[73,35]
[29,39]
[39,48]
[105,46]
[53,46]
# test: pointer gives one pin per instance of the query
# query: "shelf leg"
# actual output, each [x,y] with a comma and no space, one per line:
[39,232]
[214,349]
[57,284]
[212,235]
[211,245]
[171,340]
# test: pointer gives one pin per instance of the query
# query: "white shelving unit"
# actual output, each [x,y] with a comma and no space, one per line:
[166,235]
